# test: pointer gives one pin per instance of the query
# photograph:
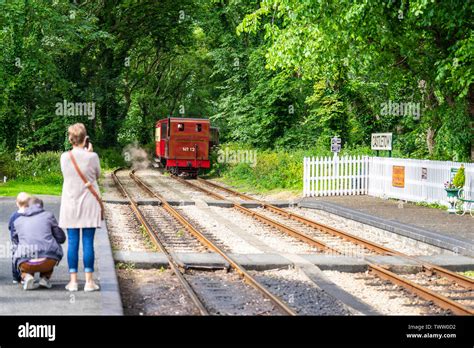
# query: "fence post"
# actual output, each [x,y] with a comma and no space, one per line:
[367,173]
[305,177]
[314,171]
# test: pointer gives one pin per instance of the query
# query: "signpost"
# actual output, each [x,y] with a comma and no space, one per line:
[335,149]
[335,145]
[453,173]
[382,141]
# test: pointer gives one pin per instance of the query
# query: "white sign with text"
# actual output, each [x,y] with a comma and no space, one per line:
[381,141]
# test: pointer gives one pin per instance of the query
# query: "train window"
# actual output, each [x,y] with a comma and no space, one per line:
[158,134]
[198,127]
[180,127]
[163,130]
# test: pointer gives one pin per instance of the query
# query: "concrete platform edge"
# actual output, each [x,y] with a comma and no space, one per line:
[110,291]
[460,246]
[262,262]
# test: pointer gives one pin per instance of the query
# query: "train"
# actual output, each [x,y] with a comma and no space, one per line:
[183,144]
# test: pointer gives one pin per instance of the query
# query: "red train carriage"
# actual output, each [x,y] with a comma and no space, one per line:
[182,144]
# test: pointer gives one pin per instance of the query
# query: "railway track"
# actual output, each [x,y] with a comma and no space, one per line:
[293,224]
[208,284]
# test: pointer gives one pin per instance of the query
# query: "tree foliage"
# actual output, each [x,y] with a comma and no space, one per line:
[362,54]
[271,73]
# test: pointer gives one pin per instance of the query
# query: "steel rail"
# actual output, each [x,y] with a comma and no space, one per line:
[458,278]
[425,293]
[421,291]
[205,241]
[158,243]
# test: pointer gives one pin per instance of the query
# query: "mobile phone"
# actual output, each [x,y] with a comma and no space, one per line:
[86,142]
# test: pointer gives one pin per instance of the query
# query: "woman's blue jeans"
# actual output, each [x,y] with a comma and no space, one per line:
[73,235]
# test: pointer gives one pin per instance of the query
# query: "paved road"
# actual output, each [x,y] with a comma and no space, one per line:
[56,301]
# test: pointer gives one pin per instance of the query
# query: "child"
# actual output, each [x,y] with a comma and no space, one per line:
[22,203]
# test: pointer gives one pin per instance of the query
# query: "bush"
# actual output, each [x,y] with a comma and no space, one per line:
[41,167]
[111,158]
[6,165]
[459,178]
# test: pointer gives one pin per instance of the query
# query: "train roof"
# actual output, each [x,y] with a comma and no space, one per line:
[184,119]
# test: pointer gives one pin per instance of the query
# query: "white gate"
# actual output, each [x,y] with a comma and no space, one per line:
[336,176]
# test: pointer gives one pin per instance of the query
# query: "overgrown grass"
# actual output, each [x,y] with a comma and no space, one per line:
[127,266]
[432,205]
[12,188]
[147,239]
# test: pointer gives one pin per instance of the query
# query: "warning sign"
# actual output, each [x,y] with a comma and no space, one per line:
[424,173]
[398,176]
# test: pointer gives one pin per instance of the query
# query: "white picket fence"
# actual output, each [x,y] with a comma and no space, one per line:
[350,175]
[336,176]
[416,188]
[469,185]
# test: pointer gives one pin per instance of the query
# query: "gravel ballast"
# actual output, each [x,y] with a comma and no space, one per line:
[274,239]
[124,230]
[226,294]
[171,233]
[169,188]
[383,296]
[300,293]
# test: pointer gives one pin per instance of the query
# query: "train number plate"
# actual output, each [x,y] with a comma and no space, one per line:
[187,149]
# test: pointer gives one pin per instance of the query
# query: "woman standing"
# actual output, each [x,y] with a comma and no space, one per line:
[81,208]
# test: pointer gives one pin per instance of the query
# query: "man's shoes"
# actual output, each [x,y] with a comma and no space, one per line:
[29,282]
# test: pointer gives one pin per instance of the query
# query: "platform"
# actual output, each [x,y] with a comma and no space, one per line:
[428,225]
[267,261]
[57,301]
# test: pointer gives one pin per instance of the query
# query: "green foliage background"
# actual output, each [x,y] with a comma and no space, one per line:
[276,75]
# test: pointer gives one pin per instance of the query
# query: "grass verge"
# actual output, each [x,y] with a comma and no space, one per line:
[13,187]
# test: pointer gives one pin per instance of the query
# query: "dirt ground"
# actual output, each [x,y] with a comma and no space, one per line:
[152,292]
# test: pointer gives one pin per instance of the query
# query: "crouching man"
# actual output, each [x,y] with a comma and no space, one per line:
[37,239]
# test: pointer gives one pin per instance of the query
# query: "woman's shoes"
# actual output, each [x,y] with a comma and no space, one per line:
[87,288]
[72,287]
[91,287]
